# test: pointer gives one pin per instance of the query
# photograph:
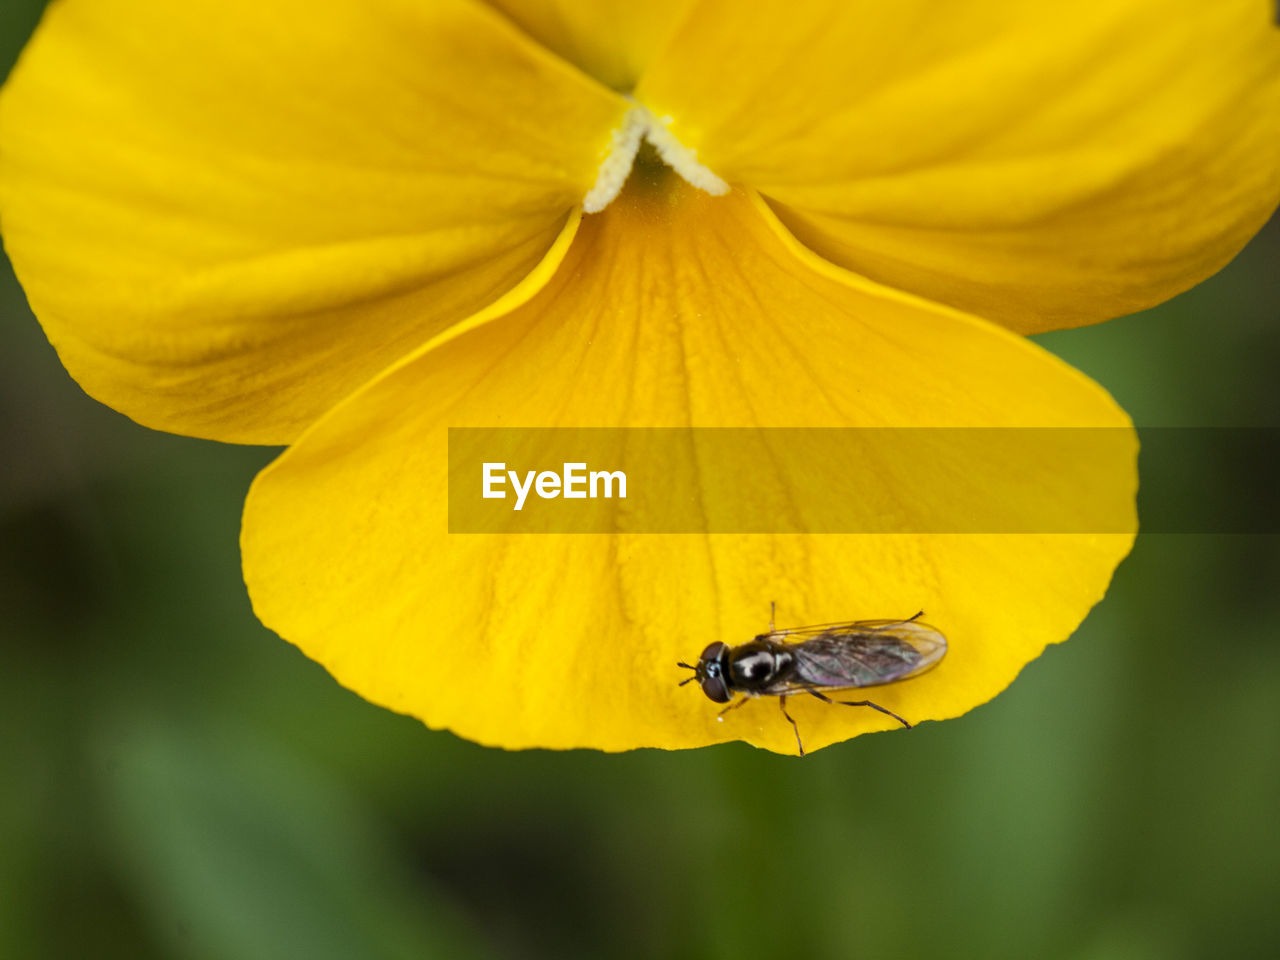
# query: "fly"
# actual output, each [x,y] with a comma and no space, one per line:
[811,660]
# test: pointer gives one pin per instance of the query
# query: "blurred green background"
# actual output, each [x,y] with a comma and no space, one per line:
[179,783]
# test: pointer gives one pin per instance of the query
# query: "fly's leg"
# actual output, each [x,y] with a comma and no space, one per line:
[860,703]
[772,613]
[875,706]
[732,706]
[916,616]
[782,702]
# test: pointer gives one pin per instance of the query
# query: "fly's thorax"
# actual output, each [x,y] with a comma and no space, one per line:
[754,666]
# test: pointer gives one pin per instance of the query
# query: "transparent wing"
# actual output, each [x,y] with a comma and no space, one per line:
[863,653]
[844,626]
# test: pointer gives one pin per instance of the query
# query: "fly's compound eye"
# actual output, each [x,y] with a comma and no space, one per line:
[714,687]
[711,672]
[713,651]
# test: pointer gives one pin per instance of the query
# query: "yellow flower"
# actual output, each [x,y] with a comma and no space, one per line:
[350,226]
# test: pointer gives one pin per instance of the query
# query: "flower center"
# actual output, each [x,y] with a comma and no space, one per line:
[637,126]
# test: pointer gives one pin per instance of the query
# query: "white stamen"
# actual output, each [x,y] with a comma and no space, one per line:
[613,171]
[640,124]
[683,160]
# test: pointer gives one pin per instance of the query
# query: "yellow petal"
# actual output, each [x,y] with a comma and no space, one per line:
[613,40]
[1045,164]
[670,308]
[228,215]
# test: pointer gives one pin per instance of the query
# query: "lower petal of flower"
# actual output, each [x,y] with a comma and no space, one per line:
[670,308]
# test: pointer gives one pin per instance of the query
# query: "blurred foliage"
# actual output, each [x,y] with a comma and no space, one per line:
[182,784]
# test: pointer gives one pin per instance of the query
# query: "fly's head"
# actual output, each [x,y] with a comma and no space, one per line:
[712,672]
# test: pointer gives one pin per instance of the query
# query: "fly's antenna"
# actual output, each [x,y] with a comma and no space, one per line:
[687,679]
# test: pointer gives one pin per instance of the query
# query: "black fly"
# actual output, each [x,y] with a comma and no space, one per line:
[829,656]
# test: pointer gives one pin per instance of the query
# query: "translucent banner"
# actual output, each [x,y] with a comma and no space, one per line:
[917,480]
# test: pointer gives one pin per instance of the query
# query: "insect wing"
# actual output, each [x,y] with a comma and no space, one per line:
[865,654]
[843,626]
